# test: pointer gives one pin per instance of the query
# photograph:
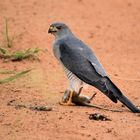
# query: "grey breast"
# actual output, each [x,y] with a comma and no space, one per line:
[75,82]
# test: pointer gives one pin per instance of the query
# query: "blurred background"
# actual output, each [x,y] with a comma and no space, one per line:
[111,28]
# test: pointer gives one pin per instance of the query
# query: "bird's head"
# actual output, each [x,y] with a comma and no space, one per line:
[59,29]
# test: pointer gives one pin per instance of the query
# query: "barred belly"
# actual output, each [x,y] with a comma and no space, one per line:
[74,82]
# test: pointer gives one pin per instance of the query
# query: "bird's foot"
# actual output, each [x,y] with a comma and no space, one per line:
[67,103]
[67,99]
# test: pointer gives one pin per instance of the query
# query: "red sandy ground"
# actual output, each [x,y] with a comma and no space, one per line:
[112,28]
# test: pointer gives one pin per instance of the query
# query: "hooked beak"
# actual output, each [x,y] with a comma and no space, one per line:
[52,29]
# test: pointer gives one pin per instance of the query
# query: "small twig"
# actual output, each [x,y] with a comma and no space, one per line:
[4,53]
[9,42]
[3,50]
[32,107]
[41,108]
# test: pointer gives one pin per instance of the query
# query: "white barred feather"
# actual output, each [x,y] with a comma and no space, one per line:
[75,82]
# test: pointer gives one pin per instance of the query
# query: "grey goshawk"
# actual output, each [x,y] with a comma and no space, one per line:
[82,66]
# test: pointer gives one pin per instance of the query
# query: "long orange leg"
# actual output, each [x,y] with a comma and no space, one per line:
[68,102]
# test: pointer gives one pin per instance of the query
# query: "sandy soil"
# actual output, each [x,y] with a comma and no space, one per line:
[112,28]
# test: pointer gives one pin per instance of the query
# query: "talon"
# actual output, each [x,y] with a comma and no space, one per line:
[66,96]
[66,104]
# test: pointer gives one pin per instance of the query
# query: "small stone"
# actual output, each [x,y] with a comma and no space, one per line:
[60,118]
[82,126]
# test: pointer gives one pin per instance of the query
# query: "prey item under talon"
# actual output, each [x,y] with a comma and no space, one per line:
[82,100]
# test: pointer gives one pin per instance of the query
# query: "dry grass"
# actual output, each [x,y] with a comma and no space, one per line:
[14,77]
[18,55]
[5,48]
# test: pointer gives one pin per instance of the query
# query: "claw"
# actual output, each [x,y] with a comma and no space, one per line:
[66,96]
[66,104]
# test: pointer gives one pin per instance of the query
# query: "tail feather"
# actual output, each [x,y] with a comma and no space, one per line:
[113,92]
[122,98]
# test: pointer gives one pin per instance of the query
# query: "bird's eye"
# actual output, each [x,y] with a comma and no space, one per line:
[58,27]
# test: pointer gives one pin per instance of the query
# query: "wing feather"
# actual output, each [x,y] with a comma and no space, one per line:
[78,64]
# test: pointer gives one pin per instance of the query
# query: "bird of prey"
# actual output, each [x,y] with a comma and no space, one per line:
[82,66]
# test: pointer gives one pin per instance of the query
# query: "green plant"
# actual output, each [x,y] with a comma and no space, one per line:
[18,55]
[8,54]
[11,78]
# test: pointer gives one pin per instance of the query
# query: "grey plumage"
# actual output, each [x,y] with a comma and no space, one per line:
[82,66]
